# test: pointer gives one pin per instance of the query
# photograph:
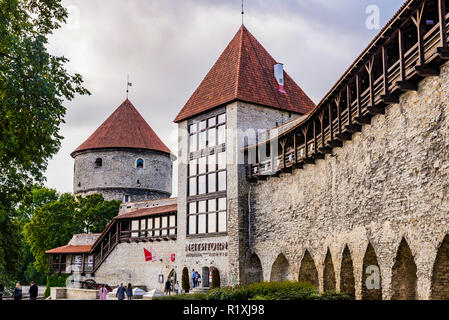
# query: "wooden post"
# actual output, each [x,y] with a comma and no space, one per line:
[83,264]
[337,102]
[321,117]
[348,103]
[295,146]
[443,51]
[422,69]
[306,147]
[60,263]
[417,21]
[331,123]
[283,142]
[443,28]
[358,92]
[369,69]
[401,54]
[385,70]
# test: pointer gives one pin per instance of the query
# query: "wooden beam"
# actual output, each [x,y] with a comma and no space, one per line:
[407,85]
[375,110]
[353,128]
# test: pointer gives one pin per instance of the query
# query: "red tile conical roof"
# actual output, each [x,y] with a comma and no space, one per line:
[125,128]
[244,72]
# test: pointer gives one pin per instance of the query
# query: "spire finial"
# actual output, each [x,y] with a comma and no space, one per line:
[243,12]
[128,84]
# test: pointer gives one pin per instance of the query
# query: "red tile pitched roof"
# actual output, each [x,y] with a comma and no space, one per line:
[125,128]
[244,72]
[70,249]
[148,211]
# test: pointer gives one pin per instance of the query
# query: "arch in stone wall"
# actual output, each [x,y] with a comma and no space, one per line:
[404,279]
[253,270]
[347,281]
[307,271]
[280,269]
[440,276]
[371,276]
[329,273]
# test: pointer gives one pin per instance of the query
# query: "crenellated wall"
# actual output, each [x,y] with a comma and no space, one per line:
[388,184]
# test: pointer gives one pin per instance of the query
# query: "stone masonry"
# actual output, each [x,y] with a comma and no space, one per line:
[387,189]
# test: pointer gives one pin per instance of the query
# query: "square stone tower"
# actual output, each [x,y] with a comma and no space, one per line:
[236,103]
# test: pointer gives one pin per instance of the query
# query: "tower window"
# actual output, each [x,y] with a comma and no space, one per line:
[99,162]
[127,198]
[139,163]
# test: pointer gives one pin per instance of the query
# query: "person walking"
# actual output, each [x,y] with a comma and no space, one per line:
[103,293]
[17,293]
[167,287]
[121,292]
[194,278]
[129,291]
[177,287]
[33,291]
[2,288]
[198,279]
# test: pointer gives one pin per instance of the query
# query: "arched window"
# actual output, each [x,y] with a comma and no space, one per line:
[139,163]
[99,162]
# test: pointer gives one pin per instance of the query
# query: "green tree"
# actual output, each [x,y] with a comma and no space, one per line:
[33,87]
[185,284]
[54,223]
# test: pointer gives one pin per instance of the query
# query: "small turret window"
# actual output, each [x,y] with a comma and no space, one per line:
[98,162]
[139,163]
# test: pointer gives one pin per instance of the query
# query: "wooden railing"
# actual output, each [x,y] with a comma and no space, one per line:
[284,159]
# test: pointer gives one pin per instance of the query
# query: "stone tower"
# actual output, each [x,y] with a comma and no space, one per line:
[124,160]
[238,100]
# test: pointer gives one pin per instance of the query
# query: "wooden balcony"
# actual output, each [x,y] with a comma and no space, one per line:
[386,69]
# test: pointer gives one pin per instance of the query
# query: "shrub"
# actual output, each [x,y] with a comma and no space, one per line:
[185,284]
[55,280]
[286,290]
[215,279]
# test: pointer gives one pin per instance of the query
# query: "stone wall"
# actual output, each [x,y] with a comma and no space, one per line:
[118,174]
[386,188]
[126,264]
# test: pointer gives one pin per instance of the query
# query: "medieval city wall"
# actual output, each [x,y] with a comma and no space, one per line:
[387,187]
[126,264]
[118,174]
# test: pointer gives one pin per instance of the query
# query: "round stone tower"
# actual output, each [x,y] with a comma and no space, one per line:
[124,160]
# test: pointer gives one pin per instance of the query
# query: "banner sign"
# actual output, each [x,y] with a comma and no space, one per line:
[149,255]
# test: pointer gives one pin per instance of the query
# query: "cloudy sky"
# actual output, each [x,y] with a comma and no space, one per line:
[168,46]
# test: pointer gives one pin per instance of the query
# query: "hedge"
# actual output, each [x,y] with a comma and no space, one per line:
[286,290]
[55,280]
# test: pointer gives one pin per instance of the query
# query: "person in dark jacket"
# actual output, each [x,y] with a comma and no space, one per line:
[33,291]
[129,291]
[167,287]
[121,292]
[2,288]
[17,293]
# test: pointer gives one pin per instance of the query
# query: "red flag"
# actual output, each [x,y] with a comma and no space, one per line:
[148,255]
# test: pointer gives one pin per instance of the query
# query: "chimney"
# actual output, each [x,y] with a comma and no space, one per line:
[279,75]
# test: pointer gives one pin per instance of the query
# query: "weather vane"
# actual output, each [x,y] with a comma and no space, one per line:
[128,84]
